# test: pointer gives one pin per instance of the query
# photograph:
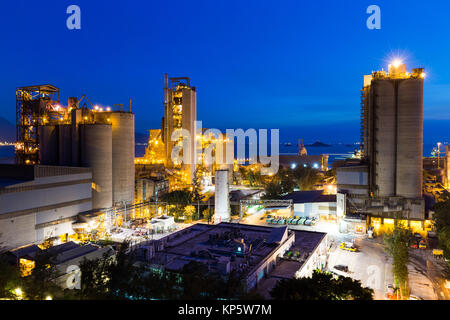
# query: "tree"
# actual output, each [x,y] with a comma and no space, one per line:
[306,177]
[208,214]
[189,212]
[109,277]
[40,283]
[177,198]
[9,278]
[396,245]
[442,222]
[321,286]
[197,187]
[273,191]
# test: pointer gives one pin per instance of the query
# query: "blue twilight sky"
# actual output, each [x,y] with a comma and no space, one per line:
[289,64]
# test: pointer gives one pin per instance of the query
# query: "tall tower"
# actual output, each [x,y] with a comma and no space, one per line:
[447,167]
[180,112]
[392,131]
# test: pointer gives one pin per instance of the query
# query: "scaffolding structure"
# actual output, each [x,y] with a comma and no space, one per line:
[362,123]
[33,105]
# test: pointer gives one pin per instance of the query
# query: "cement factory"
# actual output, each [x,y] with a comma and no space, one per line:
[77,179]
[387,182]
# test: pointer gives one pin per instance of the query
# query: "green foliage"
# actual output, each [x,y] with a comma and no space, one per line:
[197,185]
[199,283]
[396,245]
[208,214]
[285,180]
[9,278]
[306,177]
[273,191]
[321,286]
[40,284]
[182,197]
[442,222]
[107,277]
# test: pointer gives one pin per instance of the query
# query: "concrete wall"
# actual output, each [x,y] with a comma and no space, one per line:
[315,209]
[269,263]
[33,211]
[315,260]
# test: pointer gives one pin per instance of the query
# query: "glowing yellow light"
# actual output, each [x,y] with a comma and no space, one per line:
[48,298]
[18,293]
[423,75]
[396,63]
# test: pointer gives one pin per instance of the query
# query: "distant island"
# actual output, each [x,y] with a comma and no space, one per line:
[318,144]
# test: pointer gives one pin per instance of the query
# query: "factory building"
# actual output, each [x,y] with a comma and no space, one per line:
[255,253]
[180,112]
[393,131]
[40,203]
[101,139]
[313,204]
[387,182]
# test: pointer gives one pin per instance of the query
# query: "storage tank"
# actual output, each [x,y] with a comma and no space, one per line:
[385,128]
[409,138]
[122,156]
[221,197]
[65,145]
[48,145]
[96,153]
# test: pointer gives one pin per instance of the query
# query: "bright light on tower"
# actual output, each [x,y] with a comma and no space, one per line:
[396,63]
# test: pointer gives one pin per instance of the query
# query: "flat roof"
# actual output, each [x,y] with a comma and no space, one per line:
[218,244]
[309,196]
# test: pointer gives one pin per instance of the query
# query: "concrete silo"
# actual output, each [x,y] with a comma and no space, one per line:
[122,154]
[409,138]
[96,153]
[384,141]
[221,197]
[48,145]
[393,131]
[65,145]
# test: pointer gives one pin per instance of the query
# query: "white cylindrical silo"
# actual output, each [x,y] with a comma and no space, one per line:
[221,197]
[96,153]
[122,156]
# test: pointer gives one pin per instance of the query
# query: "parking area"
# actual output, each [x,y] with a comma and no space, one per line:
[372,266]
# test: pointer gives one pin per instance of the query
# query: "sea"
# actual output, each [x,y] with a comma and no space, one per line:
[335,151]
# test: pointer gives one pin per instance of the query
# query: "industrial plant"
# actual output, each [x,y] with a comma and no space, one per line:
[386,183]
[77,180]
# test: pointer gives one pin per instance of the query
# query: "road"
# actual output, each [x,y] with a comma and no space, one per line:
[370,264]
[373,267]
